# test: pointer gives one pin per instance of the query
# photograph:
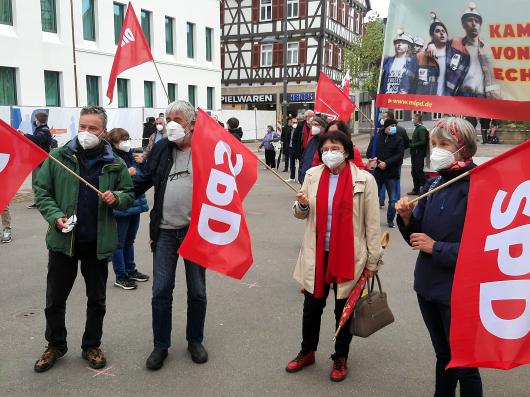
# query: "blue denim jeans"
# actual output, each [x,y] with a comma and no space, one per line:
[123,257]
[390,186]
[397,190]
[164,266]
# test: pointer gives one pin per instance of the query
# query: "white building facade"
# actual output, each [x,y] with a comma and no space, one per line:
[37,62]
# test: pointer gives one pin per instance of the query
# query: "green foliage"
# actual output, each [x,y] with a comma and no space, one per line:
[363,56]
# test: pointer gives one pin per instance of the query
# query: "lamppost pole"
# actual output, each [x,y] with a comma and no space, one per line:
[284,29]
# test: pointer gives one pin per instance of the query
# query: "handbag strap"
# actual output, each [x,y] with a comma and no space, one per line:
[371,286]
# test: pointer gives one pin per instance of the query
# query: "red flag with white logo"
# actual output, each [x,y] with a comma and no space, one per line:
[133,49]
[346,83]
[332,101]
[18,157]
[490,303]
[224,171]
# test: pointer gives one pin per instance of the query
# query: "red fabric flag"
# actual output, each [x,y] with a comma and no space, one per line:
[18,157]
[132,50]
[346,84]
[224,171]
[332,101]
[490,303]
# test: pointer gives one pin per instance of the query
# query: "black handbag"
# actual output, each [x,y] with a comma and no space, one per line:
[371,311]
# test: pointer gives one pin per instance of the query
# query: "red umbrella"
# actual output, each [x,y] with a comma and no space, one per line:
[355,294]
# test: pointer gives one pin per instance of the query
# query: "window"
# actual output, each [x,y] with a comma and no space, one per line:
[209,98]
[292,8]
[330,54]
[209,38]
[292,54]
[92,90]
[169,35]
[119,15]
[172,91]
[437,116]
[123,93]
[190,40]
[191,94]
[89,25]
[47,16]
[398,114]
[266,10]
[146,25]
[6,12]
[8,85]
[266,55]
[52,88]
[148,94]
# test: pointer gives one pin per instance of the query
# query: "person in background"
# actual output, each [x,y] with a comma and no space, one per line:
[434,228]
[418,151]
[417,45]
[149,129]
[399,71]
[170,170]
[234,128]
[306,128]
[339,203]
[339,125]
[128,221]
[270,154]
[388,159]
[485,124]
[293,152]
[6,225]
[160,125]
[42,137]
[285,138]
[310,156]
[91,239]
[492,132]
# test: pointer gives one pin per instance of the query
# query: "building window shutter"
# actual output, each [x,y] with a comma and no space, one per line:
[277,54]
[281,9]
[255,10]
[330,8]
[355,22]
[302,52]
[347,21]
[339,11]
[275,10]
[326,54]
[255,56]
[360,23]
[303,8]
[336,57]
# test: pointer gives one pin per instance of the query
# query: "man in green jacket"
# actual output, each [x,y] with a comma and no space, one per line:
[60,197]
[418,151]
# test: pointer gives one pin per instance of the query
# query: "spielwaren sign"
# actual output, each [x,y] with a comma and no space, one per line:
[257,98]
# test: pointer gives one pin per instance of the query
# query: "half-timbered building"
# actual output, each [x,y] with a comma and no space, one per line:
[252,49]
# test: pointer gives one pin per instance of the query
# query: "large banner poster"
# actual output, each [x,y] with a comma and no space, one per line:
[458,57]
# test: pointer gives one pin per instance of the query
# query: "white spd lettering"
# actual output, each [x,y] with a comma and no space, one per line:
[128,36]
[4,160]
[220,191]
[509,265]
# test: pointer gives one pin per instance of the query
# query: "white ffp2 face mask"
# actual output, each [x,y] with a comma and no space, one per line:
[332,159]
[87,140]
[125,146]
[159,127]
[442,159]
[175,131]
[315,130]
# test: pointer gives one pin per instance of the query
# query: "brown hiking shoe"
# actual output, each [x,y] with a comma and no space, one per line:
[48,359]
[95,357]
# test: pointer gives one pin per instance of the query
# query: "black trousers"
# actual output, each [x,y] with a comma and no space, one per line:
[270,158]
[418,177]
[62,271]
[313,308]
[437,318]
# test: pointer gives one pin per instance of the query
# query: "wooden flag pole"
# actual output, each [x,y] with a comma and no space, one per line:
[161,81]
[77,176]
[427,194]
[294,189]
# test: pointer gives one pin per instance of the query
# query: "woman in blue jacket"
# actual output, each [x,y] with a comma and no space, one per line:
[127,221]
[434,228]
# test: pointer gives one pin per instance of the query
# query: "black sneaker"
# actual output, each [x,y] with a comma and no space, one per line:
[125,283]
[31,206]
[391,225]
[137,276]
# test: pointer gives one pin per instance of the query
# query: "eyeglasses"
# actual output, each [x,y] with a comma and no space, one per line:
[332,150]
[179,174]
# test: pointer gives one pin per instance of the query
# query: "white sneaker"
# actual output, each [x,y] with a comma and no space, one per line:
[6,235]
[290,180]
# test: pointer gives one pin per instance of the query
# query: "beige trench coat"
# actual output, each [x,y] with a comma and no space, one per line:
[366,228]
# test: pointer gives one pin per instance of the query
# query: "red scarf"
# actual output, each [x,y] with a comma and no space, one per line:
[306,135]
[341,261]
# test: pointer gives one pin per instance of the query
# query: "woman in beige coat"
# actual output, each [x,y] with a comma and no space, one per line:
[340,205]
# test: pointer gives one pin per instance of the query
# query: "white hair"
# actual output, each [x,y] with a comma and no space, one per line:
[183,107]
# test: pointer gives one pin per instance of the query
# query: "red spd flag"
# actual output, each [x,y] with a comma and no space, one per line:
[332,101]
[490,303]
[132,51]
[224,171]
[18,157]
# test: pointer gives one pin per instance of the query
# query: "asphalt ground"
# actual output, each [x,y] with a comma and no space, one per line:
[253,326]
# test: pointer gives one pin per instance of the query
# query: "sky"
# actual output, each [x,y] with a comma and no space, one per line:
[381,6]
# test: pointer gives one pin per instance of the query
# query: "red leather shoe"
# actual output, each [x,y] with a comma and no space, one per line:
[301,361]
[339,371]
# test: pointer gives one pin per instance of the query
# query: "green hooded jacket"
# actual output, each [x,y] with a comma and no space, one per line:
[56,194]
